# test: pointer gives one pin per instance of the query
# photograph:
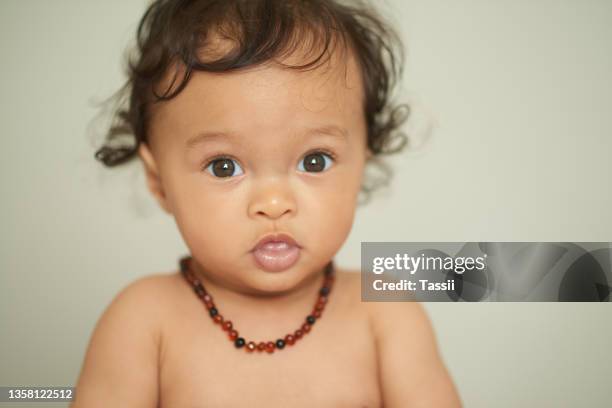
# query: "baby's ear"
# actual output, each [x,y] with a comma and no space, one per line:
[154,181]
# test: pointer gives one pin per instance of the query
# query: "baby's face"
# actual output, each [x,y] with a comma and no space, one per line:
[290,148]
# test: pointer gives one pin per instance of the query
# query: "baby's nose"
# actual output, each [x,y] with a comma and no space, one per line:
[273,200]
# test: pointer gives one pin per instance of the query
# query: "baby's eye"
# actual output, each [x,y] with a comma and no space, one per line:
[224,167]
[315,162]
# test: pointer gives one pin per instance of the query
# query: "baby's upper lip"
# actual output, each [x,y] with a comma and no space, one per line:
[276,237]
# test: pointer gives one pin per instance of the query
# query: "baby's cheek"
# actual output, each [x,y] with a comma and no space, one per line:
[333,218]
[208,223]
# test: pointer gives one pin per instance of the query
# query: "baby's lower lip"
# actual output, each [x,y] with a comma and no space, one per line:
[277,256]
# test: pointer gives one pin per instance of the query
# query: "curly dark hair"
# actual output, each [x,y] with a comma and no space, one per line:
[259,30]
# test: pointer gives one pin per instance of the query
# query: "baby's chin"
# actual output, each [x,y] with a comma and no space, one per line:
[259,282]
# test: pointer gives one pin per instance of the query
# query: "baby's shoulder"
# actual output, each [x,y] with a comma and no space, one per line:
[151,297]
[383,316]
[152,289]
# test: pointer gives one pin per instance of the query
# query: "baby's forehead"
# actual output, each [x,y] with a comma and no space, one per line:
[331,70]
[329,94]
[335,82]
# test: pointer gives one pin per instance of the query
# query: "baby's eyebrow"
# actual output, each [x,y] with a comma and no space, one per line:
[328,130]
[203,137]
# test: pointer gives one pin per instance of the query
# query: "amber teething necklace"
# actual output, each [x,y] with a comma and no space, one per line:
[234,336]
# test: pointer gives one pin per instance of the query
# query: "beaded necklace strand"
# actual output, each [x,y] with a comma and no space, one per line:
[233,335]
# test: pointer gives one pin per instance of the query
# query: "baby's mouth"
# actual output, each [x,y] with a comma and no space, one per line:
[276,252]
[275,246]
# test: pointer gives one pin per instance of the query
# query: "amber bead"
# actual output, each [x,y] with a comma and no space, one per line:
[316,313]
[227,325]
[209,304]
[218,318]
[207,298]
[270,347]
[290,340]
[305,327]
[250,347]
[298,334]
[233,334]
[261,346]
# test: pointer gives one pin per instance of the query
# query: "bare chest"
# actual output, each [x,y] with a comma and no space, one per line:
[332,366]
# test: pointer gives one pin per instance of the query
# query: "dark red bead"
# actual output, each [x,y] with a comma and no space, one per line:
[185,263]
[209,304]
[320,305]
[207,298]
[270,346]
[218,318]
[316,313]
[290,340]
[233,334]
[305,327]
[199,290]
[227,325]
[298,334]
[261,346]
[329,269]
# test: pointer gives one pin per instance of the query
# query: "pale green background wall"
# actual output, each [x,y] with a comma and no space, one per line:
[520,93]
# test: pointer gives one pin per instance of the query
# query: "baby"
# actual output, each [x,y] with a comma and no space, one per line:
[254,120]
